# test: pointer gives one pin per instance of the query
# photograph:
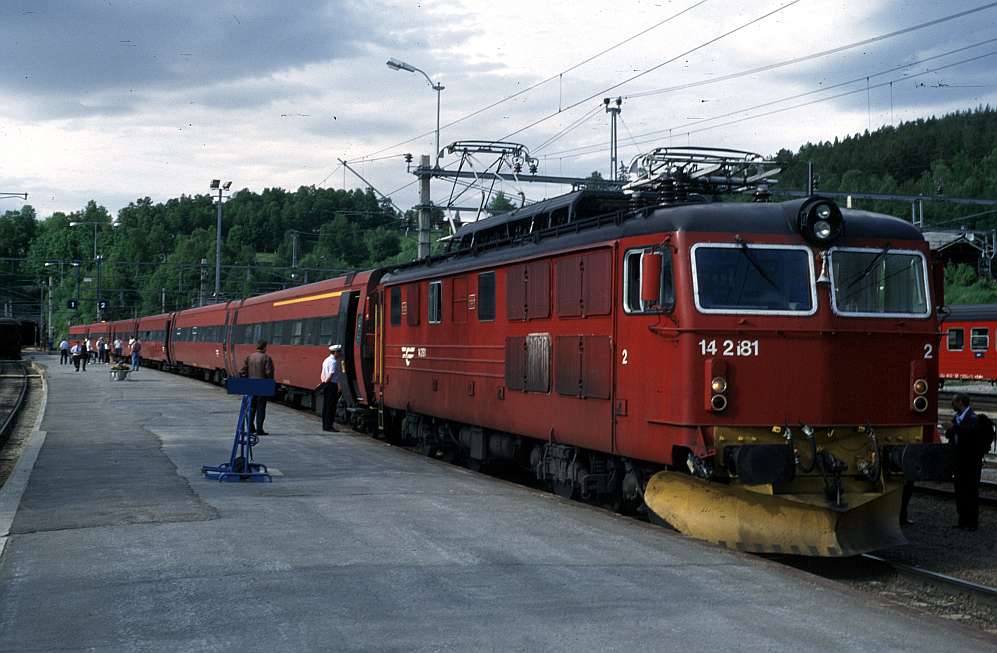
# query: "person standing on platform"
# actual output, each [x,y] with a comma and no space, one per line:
[102,350]
[87,351]
[136,350]
[64,352]
[332,381]
[258,365]
[117,349]
[77,353]
[964,436]
[85,358]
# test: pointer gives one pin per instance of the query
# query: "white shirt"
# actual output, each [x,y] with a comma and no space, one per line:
[64,345]
[962,415]
[332,370]
[117,344]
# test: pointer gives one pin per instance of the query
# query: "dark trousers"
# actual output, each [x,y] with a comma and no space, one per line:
[63,356]
[908,491]
[330,399]
[84,359]
[76,362]
[967,487]
[257,413]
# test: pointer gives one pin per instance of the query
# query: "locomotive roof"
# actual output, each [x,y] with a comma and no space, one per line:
[762,218]
[971,312]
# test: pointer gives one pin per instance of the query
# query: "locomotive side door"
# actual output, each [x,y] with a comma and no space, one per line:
[644,352]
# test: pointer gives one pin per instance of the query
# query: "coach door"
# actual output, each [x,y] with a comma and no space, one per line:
[231,336]
[348,303]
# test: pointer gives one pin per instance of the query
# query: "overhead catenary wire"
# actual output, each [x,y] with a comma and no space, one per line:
[595,147]
[812,55]
[571,127]
[655,67]
[547,80]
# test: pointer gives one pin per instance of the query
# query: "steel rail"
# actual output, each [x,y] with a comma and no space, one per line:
[950,494]
[943,580]
[8,420]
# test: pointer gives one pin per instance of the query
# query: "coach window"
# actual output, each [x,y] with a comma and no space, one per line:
[396,306]
[435,303]
[956,339]
[486,297]
[633,277]
[297,329]
[979,339]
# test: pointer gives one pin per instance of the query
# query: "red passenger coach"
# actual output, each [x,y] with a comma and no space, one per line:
[154,332]
[78,332]
[197,342]
[970,343]
[300,323]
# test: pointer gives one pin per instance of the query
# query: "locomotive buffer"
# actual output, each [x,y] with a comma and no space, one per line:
[240,466]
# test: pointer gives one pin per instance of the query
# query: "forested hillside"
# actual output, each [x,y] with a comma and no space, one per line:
[951,156]
[152,257]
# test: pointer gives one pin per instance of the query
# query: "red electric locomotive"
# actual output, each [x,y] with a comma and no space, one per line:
[762,375]
[970,349]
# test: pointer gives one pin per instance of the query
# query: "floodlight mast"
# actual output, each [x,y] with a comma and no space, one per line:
[216,184]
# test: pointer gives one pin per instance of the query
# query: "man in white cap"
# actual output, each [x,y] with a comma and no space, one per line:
[332,377]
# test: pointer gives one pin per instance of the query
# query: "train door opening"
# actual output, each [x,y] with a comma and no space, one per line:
[348,303]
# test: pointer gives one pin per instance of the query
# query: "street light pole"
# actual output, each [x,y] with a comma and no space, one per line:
[395,64]
[100,312]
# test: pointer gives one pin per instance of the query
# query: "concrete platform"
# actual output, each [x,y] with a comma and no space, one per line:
[119,544]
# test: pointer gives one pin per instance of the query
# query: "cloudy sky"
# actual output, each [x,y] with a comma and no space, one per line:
[119,99]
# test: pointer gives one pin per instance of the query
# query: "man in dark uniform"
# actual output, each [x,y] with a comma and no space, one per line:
[258,365]
[968,462]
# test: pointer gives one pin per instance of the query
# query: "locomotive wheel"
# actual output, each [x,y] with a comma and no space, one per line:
[565,489]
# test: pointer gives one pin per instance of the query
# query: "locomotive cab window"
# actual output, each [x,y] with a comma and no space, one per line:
[979,339]
[738,278]
[647,280]
[870,282]
[956,340]
[435,303]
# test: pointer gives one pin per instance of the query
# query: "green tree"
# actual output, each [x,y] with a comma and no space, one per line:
[500,204]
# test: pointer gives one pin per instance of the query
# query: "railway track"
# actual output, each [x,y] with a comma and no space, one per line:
[944,581]
[13,390]
[985,486]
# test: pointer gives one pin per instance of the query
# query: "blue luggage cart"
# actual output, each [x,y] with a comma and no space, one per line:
[240,465]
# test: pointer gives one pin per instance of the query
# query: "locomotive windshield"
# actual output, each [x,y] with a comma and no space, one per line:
[879,282]
[740,278]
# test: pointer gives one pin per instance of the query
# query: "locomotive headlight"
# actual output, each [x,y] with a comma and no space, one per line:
[820,221]
[719,384]
[920,404]
[920,387]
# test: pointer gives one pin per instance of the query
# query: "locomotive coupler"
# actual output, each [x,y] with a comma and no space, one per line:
[831,468]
